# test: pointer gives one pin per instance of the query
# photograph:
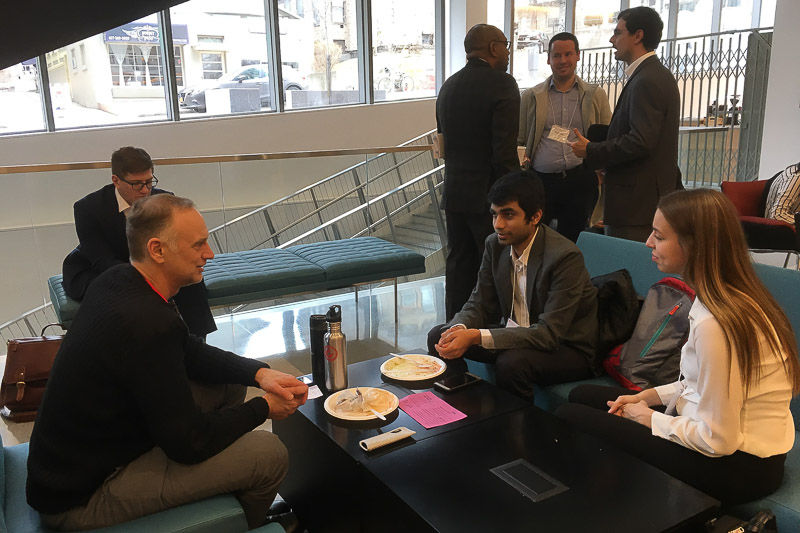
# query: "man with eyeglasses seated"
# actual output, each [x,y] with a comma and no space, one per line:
[139,415]
[100,224]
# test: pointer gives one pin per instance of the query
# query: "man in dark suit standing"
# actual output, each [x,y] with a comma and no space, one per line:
[640,156]
[477,113]
[536,280]
[100,224]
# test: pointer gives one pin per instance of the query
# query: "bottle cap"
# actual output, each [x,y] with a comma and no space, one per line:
[334,314]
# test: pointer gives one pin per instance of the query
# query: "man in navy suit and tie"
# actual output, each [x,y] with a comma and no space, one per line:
[640,155]
[100,224]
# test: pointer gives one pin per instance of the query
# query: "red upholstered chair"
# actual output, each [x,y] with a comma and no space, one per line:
[750,198]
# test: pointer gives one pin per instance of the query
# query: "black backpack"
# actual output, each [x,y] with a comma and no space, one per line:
[617,310]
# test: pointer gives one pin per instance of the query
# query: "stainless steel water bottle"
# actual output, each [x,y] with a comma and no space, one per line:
[317,327]
[335,351]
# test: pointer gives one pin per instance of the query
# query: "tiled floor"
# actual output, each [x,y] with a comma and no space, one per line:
[279,335]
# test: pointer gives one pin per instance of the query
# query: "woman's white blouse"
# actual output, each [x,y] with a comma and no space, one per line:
[714,418]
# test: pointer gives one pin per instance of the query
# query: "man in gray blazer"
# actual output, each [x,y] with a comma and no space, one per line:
[535,279]
[548,113]
[477,112]
[640,155]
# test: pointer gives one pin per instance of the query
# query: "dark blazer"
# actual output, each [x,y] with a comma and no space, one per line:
[477,111]
[102,243]
[641,153]
[562,300]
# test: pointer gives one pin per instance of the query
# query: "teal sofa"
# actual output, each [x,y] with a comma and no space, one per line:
[220,514]
[606,254]
[253,275]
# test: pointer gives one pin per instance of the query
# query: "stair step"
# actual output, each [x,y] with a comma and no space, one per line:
[422,228]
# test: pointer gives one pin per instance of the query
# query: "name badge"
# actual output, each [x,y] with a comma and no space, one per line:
[558,134]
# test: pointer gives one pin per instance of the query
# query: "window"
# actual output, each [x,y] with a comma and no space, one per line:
[403,54]
[223,57]
[20,98]
[122,79]
[595,21]
[533,27]
[661,6]
[767,13]
[320,37]
[213,66]
[694,18]
[736,15]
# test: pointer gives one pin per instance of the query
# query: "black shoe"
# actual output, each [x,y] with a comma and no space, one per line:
[288,521]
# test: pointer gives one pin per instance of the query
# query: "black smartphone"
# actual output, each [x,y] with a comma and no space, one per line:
[456,382]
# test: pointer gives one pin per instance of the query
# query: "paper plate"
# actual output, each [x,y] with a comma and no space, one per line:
[387,401]
[403,370]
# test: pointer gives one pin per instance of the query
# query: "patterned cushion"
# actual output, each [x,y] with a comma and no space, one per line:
[64,306]
[783,200]
[254,271]
[364,259]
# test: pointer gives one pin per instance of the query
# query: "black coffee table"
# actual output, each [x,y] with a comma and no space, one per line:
[441,480]
[446,484]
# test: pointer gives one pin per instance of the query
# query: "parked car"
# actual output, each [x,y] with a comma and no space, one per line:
[538,39]
[255,76]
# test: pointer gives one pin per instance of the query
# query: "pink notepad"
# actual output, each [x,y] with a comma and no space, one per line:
[430,410]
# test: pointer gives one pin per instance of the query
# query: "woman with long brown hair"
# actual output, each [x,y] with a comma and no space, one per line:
[726,425]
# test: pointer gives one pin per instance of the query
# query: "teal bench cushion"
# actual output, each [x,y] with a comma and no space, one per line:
[360,260]
[232,276]
[64,306]
[220,514]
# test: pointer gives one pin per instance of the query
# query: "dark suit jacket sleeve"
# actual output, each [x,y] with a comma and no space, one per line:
[93,245]
[566,281]
[505,126]
[484,301]
[646,116]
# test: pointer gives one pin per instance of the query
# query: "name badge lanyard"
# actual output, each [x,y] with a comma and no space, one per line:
[557,131]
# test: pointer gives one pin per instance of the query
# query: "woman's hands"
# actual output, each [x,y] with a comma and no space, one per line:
[635,407]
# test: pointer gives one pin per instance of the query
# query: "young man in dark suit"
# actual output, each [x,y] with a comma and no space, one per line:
[477,112]
[100,224]
[535,279]
[640,155]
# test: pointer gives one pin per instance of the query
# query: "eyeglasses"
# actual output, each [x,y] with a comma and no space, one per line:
[139,185]
[507,44]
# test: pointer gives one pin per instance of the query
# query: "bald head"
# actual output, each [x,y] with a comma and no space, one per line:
[489,43]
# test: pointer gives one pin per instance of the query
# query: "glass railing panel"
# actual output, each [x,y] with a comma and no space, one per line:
[247,204]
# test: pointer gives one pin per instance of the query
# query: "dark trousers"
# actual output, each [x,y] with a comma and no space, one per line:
[518,369]
[569,197]
[466,233]
[732,479]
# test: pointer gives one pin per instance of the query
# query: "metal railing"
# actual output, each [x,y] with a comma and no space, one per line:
[370,197]
[281,221]
[722,80]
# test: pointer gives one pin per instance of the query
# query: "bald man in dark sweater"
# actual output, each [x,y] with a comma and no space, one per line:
[139,415]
